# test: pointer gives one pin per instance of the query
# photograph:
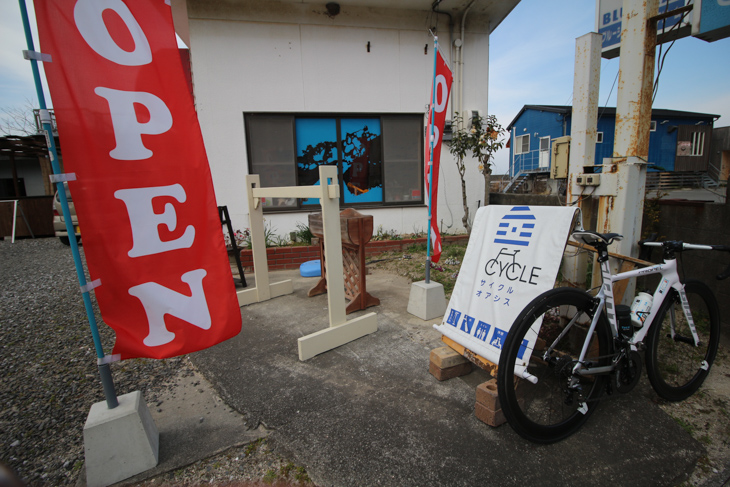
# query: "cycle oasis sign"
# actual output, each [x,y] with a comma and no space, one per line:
[513,255]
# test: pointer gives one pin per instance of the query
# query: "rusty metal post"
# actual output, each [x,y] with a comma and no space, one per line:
[586,81]
[623,213]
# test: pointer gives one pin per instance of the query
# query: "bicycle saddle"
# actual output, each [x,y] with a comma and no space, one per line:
[591,238]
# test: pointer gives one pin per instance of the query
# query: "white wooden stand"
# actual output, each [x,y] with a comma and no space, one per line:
[340,331]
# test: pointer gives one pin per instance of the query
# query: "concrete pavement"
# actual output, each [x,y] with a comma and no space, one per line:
[716,195]
[369,412]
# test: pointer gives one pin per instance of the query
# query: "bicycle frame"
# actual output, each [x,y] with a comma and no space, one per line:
[670,280]
[605,301]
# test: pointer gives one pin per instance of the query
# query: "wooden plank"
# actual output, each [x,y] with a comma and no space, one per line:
[329,338]
[472,357]
[619,288]
[611,254]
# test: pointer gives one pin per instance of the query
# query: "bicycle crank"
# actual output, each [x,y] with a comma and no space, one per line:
[628,372]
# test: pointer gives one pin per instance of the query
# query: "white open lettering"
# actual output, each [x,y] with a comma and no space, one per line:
[159,301]
[89,22]
[127,129]
[144,221]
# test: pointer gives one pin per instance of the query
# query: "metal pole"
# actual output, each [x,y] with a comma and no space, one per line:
[586,80]
[430,159]
[623,213]
[104,372]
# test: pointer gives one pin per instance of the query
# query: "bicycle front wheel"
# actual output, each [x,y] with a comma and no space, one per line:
[675,366]
[552,330]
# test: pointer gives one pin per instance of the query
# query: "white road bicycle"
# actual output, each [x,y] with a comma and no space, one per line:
[567,347]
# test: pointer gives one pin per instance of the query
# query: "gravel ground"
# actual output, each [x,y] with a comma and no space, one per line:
[49,379]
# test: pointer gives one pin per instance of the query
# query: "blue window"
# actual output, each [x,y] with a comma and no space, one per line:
[287,150]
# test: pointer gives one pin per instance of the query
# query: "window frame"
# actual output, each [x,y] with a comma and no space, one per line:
[599,137]
[519,144]
[338,116]
[652,126]
[549,140]
[697,144]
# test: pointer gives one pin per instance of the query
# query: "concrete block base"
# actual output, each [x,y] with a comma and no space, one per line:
[445,357]
[427,301]
[445,363]
[449,372]
[488,396]
[487,407]
[119,442]
[489,416]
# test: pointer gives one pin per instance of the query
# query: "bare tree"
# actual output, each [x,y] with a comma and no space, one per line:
[18,119]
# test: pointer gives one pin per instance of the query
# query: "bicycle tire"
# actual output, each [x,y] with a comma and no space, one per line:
[540,412]
[676,369]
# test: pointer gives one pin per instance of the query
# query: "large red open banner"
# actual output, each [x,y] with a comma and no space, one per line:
[143,190]
[442,89]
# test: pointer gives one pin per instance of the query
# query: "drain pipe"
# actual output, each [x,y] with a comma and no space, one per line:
[434,7]
[460,47]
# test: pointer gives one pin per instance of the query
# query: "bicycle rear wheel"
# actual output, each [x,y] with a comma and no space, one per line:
[675,366]
[560,402]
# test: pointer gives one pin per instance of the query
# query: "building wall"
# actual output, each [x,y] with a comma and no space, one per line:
[700,223]
[605,148]
[720,154]
[662,142]
[267,57]
[536,124]
[29,170]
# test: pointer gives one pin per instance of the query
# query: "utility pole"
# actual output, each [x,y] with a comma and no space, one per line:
[583,132]
[623,212]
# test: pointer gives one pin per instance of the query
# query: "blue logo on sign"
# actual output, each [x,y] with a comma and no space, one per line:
[467,323]
[453,318]
[482,331]
[517,227]
[498,338]
[523,348]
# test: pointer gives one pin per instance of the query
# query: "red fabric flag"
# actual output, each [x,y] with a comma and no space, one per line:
[442,87]
[143,190]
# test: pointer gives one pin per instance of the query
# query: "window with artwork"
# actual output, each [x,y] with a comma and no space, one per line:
[379,158]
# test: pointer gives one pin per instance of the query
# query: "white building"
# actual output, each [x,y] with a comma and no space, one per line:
[281,86]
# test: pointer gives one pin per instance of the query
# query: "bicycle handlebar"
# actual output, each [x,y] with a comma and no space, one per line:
[679,246]
[726,273]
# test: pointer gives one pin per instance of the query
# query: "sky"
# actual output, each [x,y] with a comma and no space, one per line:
[531,63]
[17,88]
[532,56]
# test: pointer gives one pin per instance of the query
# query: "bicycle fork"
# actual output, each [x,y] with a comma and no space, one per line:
[695,340]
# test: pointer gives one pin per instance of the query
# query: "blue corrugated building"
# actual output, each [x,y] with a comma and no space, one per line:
[679,141]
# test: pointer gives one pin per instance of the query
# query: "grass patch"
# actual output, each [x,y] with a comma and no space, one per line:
[685,426]
[270,477]
[253,447]
[412,264]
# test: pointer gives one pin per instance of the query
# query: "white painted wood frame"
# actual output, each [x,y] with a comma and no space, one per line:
[340,331]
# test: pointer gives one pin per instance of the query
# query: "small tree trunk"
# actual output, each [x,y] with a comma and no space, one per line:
[465,218]
[487,172]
